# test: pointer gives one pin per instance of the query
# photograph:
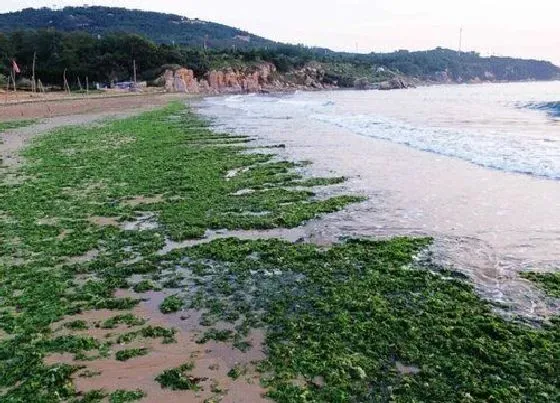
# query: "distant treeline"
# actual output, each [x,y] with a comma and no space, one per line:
[111,57]
[103,58]
[158,27]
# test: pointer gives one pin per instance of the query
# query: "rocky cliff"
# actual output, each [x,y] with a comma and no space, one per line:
[262,77]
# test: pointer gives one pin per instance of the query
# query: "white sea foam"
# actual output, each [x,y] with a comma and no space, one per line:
[483,125]
[525,155]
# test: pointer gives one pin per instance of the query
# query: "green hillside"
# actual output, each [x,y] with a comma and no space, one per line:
[158,27]
[102,42]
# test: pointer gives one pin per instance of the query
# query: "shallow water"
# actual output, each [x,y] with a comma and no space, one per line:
[510,127]
[443,161]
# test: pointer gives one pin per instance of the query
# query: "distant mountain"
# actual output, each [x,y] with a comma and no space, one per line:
[158,27]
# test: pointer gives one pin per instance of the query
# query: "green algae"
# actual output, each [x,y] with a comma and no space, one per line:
[179,378]
[77,325]
[123,396]
[152,332]
[372,325]
[171,304]
[359,321]
[128,319]
[15,124]
[216,335]
[79,173]
[550,282]
[117,396]
[236,372]
[143,286]
[125,355]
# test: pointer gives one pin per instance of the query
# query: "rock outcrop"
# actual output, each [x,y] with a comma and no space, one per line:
[311,76]
[262,77]
[362,84]
[180,80]
[395,83]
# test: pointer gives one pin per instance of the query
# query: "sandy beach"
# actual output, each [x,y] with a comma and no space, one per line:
[170,261]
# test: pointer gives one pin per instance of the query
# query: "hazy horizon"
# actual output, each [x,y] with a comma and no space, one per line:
[502,28]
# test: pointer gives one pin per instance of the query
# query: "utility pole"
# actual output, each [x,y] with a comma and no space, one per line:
[134,66]
[34,82]
[460,39]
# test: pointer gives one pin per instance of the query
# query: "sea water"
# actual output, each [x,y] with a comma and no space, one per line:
[513,127]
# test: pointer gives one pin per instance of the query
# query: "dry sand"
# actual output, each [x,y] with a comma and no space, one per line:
[59,113]
[59,105]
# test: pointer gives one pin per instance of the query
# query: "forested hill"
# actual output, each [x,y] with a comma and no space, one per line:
[158,27]
[102,42]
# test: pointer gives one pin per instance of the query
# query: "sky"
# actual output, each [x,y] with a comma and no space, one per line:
[517,28]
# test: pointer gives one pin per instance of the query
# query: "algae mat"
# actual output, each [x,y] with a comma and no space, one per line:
[90,297]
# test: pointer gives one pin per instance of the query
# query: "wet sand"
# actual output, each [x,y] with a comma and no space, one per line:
[487,224]
[212,360]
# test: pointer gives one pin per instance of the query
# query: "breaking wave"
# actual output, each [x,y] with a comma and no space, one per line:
[552,108]
[498,145]
[533,156]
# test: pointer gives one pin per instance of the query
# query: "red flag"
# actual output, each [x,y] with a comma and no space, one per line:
[15,67]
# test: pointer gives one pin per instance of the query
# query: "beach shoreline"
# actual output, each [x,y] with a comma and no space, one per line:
[151,257]
[489,225]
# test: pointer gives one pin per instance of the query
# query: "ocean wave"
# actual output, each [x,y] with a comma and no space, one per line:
[503,147]
[281,107]
[501,151]
[552,108]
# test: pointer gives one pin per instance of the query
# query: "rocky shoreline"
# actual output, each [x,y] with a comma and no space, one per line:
[262,77]
[265,78]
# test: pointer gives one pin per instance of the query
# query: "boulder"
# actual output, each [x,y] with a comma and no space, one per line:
[488,75]
[168,80]
[395,83]
[362,84]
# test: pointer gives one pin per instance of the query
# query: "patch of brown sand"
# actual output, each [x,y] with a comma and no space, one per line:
[48,221]
[63,234]
[12,179]
[86,257]
[138,200]
[212,360]
[406,369]
[104,221]
[55,106]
